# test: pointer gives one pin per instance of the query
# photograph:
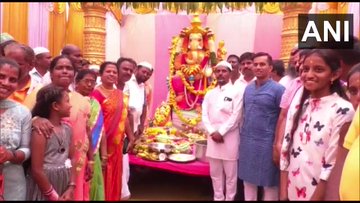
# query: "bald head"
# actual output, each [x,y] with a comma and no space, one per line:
[69,48]
[74,54]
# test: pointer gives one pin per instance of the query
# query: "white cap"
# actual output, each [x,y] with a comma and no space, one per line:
[146,65]
[94,67]
[41,50]
[4,37]
[225,64]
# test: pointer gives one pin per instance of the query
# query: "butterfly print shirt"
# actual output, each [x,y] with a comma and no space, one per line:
[315,141]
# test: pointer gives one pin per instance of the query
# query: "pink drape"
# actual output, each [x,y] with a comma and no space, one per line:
[137,40]
[148,37]
[195,168]
[38,24]
[166,26]
[236,29]
[268,34]
[354,8]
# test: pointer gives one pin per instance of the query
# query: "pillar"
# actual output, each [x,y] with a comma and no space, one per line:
[289,34]
[94,32]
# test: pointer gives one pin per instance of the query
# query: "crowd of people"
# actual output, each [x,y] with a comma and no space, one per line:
[66,130]
[296,135]
[65,134]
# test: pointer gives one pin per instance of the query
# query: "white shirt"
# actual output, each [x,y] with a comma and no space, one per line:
[136,98]
[219,105]
[241,81]
[285,81]
[221,111]
[37,78]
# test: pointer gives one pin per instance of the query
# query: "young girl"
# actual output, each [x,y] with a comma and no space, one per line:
[51,178]
[312,128]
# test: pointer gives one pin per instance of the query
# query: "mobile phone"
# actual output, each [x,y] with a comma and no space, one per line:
[125,146]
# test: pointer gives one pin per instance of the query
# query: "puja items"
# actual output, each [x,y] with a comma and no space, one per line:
[200,150]
[161,147]
[182,158]
[158,143]
[153,156]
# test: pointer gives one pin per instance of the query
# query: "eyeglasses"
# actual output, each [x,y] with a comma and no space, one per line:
[91,82]
[353,91]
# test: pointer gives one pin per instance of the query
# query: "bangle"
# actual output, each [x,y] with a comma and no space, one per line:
[51,194]
[91,162]
[48,191]
[72,184]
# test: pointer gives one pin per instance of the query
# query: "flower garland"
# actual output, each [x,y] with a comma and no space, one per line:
[187,87]
[188,121]
[195,69]
[172,96]
[187,99]
[191,88]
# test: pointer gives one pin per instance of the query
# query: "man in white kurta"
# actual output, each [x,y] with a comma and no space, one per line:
[40,74]
[137,98]
[135,87]
[221,111]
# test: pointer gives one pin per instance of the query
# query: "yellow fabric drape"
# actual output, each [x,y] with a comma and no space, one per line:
[57,28]
[75,26]
[15,21]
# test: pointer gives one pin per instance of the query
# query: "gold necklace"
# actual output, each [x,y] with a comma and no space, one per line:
[106,91]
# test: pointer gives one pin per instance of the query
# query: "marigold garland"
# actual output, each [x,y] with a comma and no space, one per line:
[172,96]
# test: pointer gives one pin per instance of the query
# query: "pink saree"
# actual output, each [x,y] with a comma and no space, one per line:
[80,111]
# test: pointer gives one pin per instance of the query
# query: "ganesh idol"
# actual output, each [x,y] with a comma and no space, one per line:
[192,58]
[194,55]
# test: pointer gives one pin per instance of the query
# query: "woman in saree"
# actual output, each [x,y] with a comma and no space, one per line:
[62,74]
[114,105]
[85,83]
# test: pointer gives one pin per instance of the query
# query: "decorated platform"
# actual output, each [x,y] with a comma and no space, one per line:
[176,125]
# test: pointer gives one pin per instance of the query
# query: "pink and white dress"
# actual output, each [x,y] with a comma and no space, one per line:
[315,142]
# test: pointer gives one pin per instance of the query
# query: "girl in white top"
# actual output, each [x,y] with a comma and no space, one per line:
[315,119]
